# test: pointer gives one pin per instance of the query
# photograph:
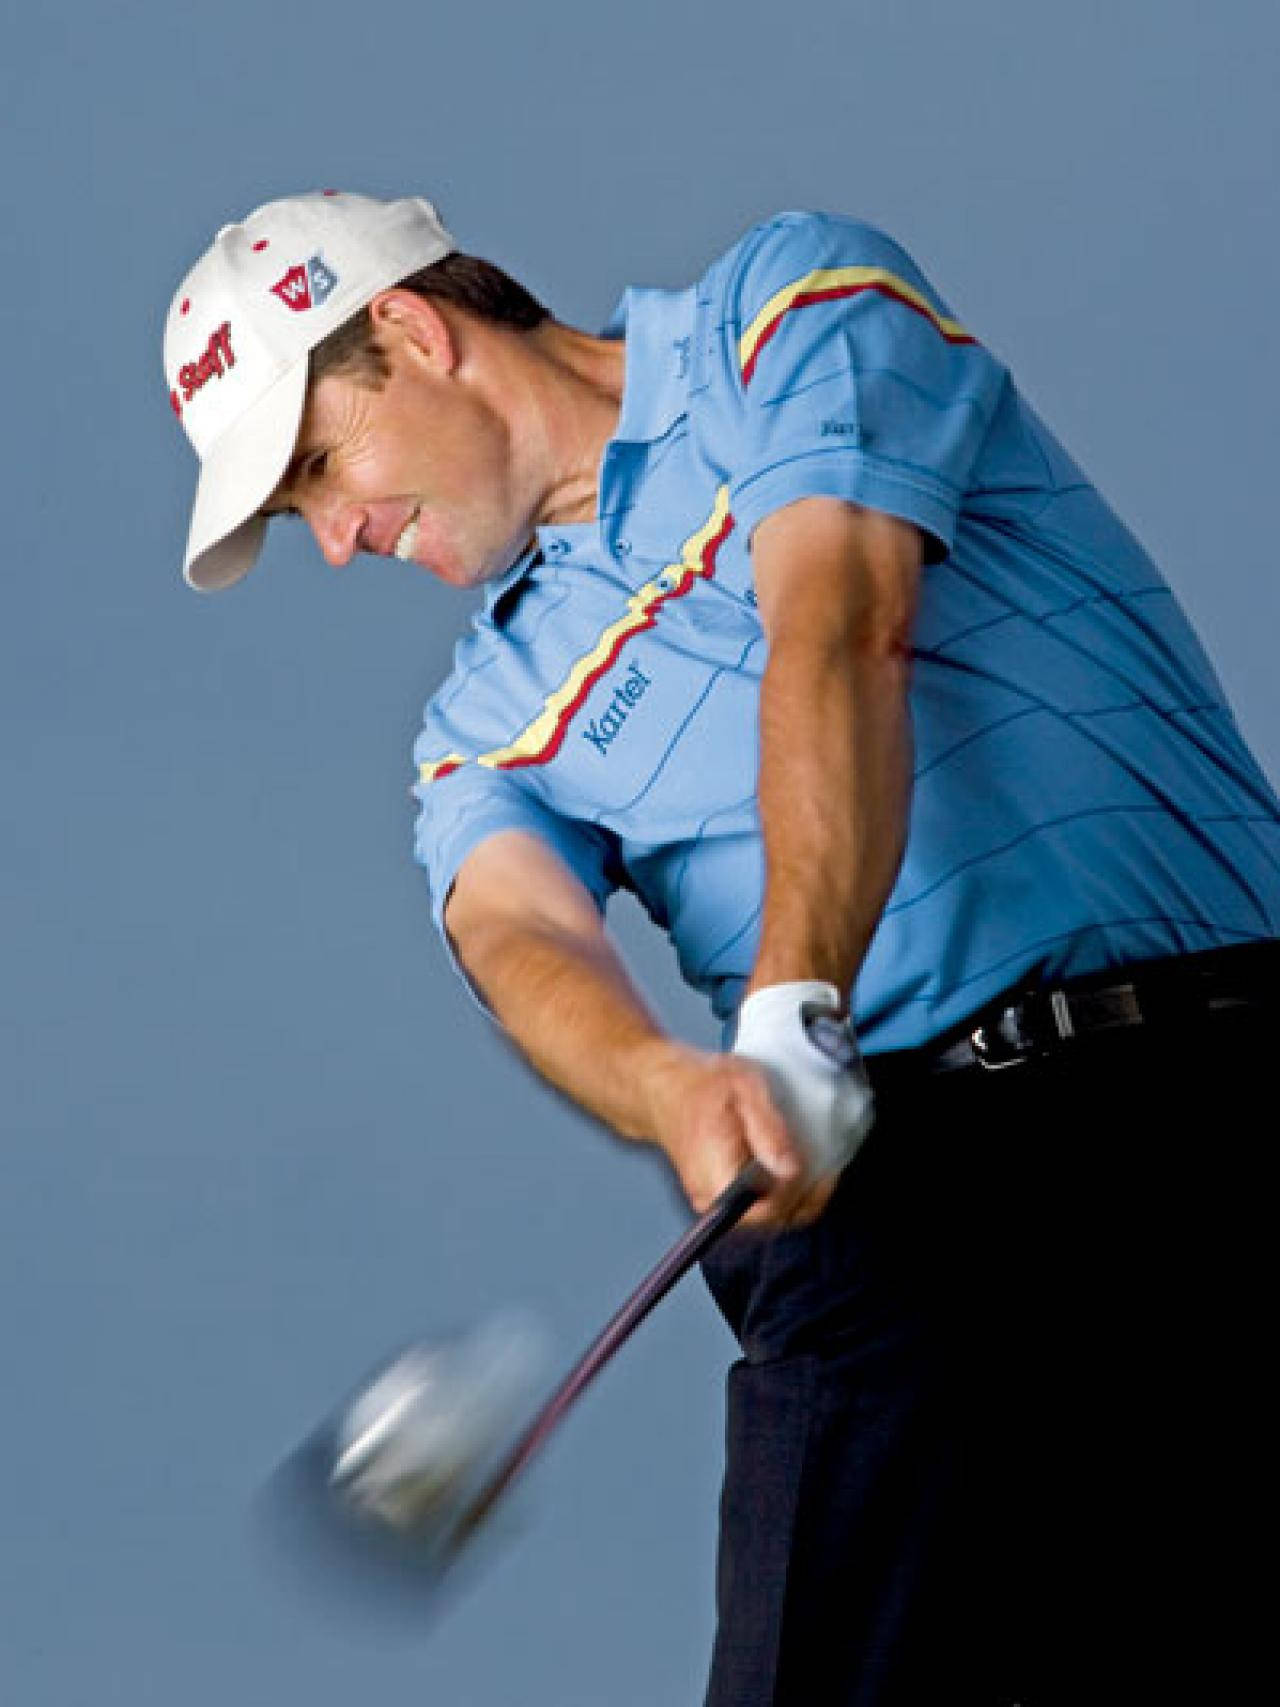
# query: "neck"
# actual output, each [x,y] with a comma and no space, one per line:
[570,397]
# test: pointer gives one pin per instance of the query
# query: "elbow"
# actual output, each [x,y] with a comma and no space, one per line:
[883,636]
[464,933]
[868,646]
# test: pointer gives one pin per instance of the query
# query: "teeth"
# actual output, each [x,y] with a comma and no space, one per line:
[408,539]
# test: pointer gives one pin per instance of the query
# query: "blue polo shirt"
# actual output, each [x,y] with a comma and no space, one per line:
[1082,796]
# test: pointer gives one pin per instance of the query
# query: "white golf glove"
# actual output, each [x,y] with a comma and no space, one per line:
[824,1097]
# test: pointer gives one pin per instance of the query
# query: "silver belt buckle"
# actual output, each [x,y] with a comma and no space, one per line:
[1099,1010]
[996,1051]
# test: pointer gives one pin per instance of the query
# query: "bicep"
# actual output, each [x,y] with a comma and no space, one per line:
[830,571]
[516,879]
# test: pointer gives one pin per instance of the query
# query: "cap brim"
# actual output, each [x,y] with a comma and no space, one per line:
[239,473]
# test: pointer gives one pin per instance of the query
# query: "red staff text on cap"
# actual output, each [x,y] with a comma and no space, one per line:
[217,358]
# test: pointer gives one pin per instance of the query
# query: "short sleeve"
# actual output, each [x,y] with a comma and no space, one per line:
[847,376]
[461,809]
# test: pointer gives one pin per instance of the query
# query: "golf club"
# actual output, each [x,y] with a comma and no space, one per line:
[386,1493]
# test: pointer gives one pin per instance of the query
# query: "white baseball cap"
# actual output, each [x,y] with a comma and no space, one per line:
[240,329]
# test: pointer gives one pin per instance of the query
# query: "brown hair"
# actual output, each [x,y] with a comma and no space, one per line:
[476,286]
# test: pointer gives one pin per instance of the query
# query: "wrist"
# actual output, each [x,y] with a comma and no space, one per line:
[766,1007]
[661,1070]
[786,963]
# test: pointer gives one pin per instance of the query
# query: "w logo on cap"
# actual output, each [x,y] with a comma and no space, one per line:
[306,286]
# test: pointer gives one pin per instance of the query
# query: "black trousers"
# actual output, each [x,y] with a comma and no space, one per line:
[997,1434]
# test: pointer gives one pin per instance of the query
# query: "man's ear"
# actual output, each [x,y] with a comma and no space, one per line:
[403,318]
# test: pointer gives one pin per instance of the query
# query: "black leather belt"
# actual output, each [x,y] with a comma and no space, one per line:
[1031,1022]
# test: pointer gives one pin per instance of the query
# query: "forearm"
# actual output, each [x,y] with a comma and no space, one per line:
[838,593]
[564,997]
[532,940]
[834,791]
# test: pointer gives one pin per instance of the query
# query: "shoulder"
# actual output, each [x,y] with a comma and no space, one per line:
[466,708]
[784,249]
[807,274]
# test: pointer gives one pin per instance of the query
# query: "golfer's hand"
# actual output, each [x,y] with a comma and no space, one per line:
[715,1113]
[777,1098]
[796,1032]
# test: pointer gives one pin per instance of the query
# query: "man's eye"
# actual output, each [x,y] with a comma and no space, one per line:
[315,465]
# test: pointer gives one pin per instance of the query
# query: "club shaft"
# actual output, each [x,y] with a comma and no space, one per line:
[727,1210]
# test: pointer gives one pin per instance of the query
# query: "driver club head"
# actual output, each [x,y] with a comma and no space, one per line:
[380,1501]
[376,1504]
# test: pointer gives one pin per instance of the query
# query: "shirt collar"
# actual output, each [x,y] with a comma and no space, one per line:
[502,584]
[658,328]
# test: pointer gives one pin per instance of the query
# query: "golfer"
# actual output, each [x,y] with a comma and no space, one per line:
[798,623]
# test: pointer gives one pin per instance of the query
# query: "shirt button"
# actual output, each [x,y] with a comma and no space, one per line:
[557,547]
[624,547]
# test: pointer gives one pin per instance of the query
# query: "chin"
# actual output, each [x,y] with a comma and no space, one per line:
[484,566]
[459,575]
[498,565]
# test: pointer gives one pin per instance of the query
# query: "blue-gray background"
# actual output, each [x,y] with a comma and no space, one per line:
[252,1134]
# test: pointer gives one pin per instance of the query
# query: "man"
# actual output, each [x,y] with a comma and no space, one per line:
[802,626]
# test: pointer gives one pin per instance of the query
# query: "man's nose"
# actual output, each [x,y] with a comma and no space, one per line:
[336,526]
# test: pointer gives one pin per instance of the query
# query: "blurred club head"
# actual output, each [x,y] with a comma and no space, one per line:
[374,1506]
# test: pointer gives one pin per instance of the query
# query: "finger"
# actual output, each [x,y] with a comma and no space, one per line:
[770,1141]
[788,1203]
[804,1209]
[796,1203]
[763,1213]
[766,1133]
[711,1158]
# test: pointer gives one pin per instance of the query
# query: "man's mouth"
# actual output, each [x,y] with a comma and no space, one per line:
[408,538]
